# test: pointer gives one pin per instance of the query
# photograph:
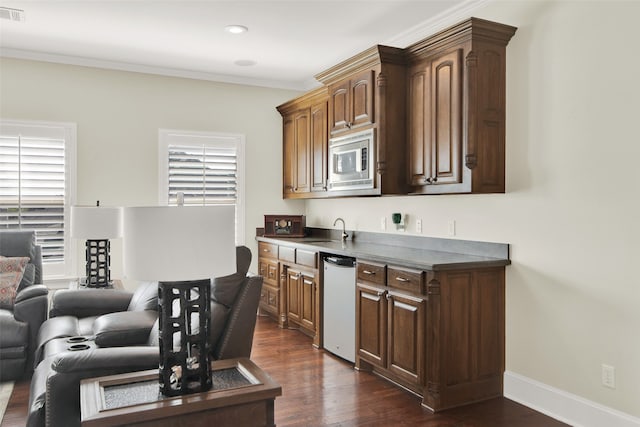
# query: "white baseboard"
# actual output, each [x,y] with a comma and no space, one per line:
[566,407]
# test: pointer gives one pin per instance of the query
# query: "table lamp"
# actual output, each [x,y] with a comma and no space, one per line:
[183,248]
[97,224]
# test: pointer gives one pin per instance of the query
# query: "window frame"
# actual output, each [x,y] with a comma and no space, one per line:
[56,270]
[167,137]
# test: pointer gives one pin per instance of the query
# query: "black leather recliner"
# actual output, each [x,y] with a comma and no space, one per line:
[19,325]
[77,313]
[55,387]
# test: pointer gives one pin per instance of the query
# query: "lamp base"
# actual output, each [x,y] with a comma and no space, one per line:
[184,313]
[97,263]
[84,283]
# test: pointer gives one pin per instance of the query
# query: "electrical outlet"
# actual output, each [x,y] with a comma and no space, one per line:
[608,376]
[451,227]
[383,223]
[419,226]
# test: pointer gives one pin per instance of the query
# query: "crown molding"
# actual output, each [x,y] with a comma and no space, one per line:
[147,69]
[436,23]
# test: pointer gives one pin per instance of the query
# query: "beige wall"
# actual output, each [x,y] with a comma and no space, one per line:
[572,207]
[571,210]
[118,115]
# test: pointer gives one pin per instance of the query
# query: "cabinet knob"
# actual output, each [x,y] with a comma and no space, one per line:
[371,273]
[388,297]
[430,180]
[401,279]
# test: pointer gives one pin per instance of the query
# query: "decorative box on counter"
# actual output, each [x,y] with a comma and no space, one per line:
[284,225]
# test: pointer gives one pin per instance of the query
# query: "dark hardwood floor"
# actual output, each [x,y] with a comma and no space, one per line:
[319,389]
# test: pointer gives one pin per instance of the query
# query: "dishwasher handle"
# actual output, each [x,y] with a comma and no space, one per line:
[340,261]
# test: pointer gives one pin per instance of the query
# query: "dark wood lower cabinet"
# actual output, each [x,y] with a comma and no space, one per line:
[406,336]
[465,337]
[371,335]
[443,341]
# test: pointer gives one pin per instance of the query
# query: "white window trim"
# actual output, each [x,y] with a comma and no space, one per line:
[64,270]
[229,140]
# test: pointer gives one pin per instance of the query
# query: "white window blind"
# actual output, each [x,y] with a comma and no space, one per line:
[207,168]
[205,175]
[35,184]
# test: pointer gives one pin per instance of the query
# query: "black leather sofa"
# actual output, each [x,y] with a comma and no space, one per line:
[19,324]
[55,387]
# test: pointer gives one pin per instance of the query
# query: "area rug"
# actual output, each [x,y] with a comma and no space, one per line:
[5,393]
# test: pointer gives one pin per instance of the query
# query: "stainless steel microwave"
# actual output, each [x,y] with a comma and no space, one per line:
[351,161]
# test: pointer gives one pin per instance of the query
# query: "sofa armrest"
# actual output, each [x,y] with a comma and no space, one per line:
[31,292]
[126,328]
[106,361]
[88,302]
[67,370]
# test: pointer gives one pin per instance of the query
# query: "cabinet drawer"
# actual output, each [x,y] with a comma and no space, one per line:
[372,273]
[287,254]
[268,250]
[406,279]
[308,258]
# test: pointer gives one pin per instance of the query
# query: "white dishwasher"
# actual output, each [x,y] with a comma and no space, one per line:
[339,312]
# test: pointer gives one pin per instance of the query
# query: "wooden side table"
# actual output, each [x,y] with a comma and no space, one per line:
[242,395]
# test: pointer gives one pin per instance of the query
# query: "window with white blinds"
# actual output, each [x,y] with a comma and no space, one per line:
[206,168]
[37,184]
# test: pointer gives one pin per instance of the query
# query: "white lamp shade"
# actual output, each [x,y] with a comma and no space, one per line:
[179,243]
[96,222]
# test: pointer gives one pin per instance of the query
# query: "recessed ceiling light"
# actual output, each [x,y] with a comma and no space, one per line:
[236,29]
[245,62]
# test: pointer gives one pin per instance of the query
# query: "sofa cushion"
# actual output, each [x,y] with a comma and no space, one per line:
[11,272]
[224,290]
[12,332]
[28,278]
[145,297]
[124,328]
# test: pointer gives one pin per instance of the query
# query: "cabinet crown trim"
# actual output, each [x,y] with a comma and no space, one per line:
[472,28]
[371,57]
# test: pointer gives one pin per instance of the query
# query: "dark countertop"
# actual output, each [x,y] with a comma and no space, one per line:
[425,257]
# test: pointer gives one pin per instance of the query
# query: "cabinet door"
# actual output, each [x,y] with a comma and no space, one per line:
[371,326]
[361,88]
[302,171]
[435,123]
[308,302]
[269,297]
[339,106]
[269,271]
[419,124]
[319,143]
[446,109]
[406,336]
[288,156]
[294,289]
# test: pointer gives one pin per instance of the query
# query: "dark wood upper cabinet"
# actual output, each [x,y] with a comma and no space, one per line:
[456,109]
[367,91]
[304,148]
[435,122]
[319,153]
[437,109]
[351,102]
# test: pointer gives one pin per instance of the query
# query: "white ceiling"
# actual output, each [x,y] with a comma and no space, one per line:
[290,41]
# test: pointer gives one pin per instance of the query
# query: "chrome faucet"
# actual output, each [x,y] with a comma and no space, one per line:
[344,233]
